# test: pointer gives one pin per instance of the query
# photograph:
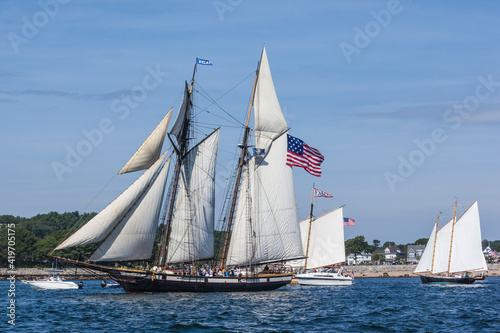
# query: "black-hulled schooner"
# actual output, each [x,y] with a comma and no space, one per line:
[262,224]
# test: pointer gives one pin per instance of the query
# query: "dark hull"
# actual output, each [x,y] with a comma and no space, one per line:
[140,281]
[446,280]
[177,283]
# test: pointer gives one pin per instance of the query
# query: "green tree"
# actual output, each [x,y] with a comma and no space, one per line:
[386,244]
[356,246]
[379,257]
[376,243]
[421,241]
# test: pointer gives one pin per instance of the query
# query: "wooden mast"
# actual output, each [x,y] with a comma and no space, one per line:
[310,225]
[452,229]
[241,163]
[181,151]
[434,248]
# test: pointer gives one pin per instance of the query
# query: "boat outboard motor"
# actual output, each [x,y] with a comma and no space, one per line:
[80,285]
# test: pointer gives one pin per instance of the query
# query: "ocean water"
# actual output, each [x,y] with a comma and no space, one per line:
[370,305]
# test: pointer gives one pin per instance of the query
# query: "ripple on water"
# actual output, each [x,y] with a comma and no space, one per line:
[370,305]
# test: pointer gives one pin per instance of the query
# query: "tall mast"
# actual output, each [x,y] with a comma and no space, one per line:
[434,248]
[452,229]
[181,151]
[310,225]
[241,163]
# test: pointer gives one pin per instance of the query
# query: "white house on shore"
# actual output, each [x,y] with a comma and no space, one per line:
[363,258]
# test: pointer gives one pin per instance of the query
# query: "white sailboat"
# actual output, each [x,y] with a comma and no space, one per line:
[454,251]
[323,239]
[265,227]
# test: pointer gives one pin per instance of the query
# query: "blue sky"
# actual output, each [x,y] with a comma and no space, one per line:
[401,97]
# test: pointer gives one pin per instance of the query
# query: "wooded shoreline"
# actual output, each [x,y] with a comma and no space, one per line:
[360,271]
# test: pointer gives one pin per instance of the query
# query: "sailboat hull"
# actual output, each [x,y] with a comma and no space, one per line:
[446,280]
[185,283]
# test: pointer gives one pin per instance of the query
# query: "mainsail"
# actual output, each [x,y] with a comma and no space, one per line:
[192,236]
[266,225]
[326,243]
[466,253]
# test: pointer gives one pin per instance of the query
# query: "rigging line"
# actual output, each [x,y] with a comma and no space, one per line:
[200,122]
[220,107]
[227,92]
[216,115]
[73,228]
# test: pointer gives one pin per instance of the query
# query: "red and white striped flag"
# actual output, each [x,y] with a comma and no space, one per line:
[301,155]
[348,221]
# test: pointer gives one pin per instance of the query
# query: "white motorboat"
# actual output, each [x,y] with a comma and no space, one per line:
[330,277]
[54,284]
[53,281]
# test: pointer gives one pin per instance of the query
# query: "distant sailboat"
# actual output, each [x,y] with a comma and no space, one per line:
[323,239]
[454,250]
[263,221]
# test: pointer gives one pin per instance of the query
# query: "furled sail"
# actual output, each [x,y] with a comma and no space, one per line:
[134,236]
[192,235]
[272,230]
[326,244]
[149,152]
[98,228]
[269,119]
[466,252]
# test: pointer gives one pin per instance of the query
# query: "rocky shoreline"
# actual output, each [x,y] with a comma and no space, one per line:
[399,271]
[360,271]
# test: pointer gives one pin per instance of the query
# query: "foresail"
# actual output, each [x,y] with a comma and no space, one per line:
[103,223]
[192,235]
[425,263]
[149,152]
[466,253]
[273,234]
[133,238]
[269,119]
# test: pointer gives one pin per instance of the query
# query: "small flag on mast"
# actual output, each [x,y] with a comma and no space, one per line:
[321,194]
[348,221]
[203,62]
[301,155]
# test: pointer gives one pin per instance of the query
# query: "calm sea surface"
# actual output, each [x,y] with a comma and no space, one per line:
[371,305]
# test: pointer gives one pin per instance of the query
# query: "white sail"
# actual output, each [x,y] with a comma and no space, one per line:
[425,263]
[326,244]
[149,152]
[241,245]
[442,252]
[466,253]
[269,120]
[274,233]
[134,236]
[192,235]
[103,223]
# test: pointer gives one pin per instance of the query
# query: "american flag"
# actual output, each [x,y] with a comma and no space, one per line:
[348,221]
[301,155]
[322,194]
